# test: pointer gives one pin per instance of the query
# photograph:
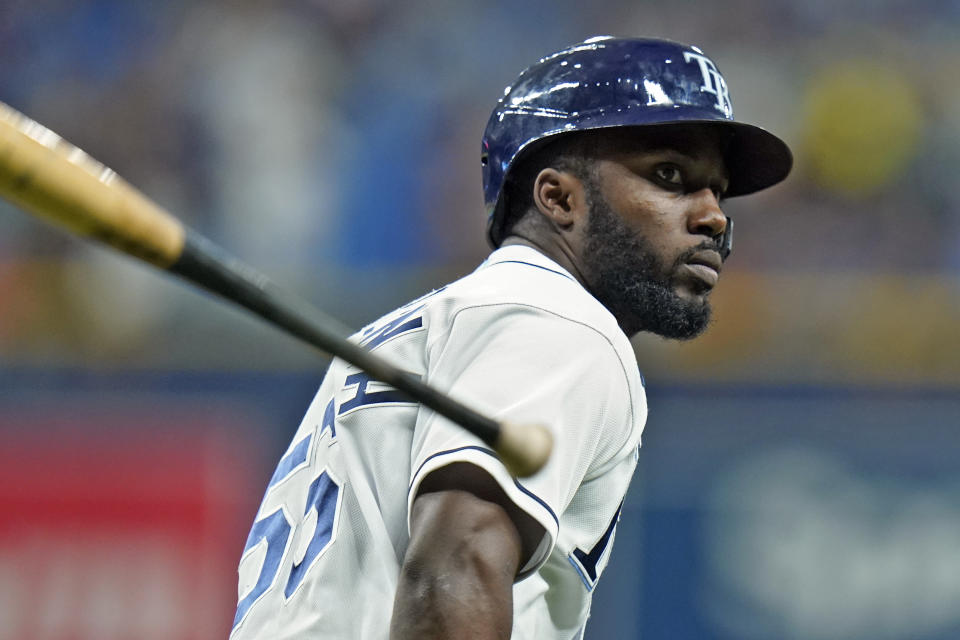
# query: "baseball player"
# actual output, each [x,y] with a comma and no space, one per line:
[604,166]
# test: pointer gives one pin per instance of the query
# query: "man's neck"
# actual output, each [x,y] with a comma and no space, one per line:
[551,250]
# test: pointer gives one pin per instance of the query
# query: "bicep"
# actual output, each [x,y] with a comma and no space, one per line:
[458,571]
[465,493]
[457,531]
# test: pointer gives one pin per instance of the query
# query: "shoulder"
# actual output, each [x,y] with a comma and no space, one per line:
[522,312]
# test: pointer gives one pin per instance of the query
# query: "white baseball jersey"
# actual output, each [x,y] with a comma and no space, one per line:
[519,339]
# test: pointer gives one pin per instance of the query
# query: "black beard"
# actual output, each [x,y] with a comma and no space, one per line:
[628,279]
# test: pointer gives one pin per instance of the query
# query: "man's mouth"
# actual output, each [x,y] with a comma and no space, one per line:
[705,266]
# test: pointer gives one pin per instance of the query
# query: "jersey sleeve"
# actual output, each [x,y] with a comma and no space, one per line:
[527,365]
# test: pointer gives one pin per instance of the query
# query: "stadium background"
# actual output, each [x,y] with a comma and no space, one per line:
[799,475]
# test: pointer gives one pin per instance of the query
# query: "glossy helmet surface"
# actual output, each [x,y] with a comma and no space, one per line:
[621,82]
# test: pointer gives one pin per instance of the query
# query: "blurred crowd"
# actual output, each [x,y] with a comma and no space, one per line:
[335,145]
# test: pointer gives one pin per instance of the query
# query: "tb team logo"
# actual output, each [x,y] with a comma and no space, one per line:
[713,82]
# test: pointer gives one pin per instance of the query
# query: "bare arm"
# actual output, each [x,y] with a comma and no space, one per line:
[464,554]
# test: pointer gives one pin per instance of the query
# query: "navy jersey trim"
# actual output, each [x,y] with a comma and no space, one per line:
[489,452]
[530,264]
[585,562]
[583,578]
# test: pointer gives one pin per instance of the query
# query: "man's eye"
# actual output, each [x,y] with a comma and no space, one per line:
[670,174]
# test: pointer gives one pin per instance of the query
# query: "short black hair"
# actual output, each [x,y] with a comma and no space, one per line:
[568,152]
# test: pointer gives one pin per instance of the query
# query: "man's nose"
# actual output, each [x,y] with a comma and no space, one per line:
[705,216]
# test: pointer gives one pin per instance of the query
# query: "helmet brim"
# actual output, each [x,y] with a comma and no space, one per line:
[755,158]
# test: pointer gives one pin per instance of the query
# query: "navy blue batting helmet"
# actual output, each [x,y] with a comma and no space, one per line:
[621,82]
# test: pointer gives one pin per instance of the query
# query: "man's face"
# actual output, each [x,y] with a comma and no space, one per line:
[651,251]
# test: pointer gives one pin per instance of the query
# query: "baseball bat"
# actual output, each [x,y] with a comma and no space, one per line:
[50,178]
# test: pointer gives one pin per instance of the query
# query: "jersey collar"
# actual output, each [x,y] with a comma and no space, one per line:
[526,255]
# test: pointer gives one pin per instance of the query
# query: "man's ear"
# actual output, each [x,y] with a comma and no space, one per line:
[560,197]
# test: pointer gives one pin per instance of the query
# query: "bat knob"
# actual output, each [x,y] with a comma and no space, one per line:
[523,448]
